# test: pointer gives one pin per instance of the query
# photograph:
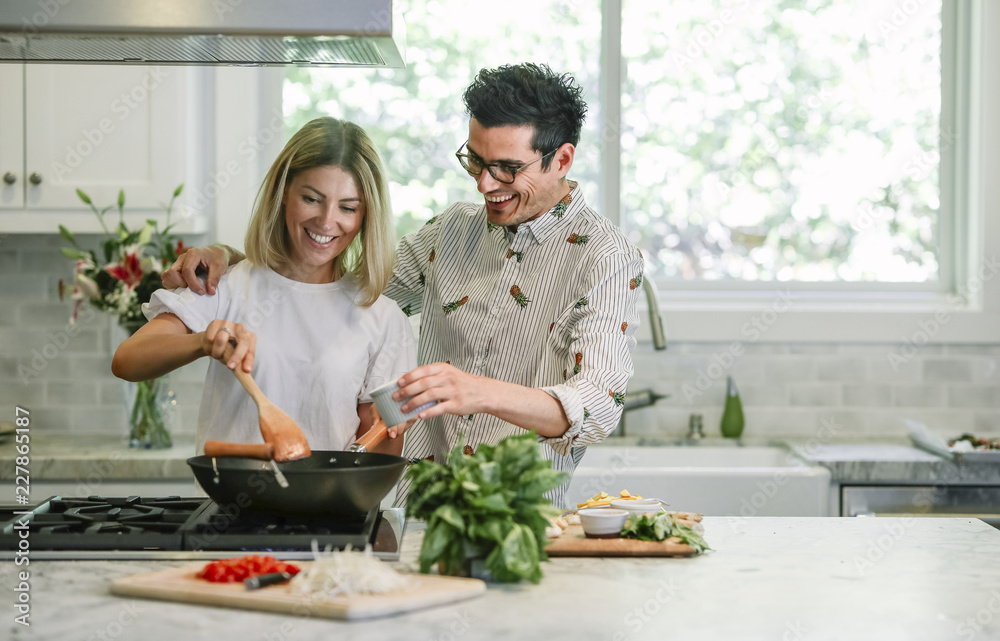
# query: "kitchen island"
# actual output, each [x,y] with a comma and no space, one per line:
[767,578]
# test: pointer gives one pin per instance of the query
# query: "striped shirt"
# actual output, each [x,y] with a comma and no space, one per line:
[550,306]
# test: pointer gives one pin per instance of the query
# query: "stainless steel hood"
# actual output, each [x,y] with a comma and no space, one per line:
[357,33]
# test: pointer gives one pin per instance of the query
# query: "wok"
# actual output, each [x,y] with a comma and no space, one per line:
[331,482]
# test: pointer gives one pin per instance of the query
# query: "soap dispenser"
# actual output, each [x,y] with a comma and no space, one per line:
[732,415]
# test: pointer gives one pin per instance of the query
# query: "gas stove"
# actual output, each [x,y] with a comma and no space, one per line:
[174,527]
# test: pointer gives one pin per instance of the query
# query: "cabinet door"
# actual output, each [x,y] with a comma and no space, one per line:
[100,129]
[12,136]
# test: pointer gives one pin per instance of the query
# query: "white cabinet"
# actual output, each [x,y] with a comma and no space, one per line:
[98,128]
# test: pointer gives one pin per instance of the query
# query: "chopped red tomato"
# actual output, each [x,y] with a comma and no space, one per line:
[241,568]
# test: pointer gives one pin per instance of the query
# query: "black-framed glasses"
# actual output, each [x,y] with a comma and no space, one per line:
[500,172]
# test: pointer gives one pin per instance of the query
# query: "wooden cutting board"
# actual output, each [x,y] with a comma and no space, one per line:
[181,584]
[573,542]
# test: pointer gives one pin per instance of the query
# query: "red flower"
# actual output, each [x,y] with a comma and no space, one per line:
[129,271]
[180,248]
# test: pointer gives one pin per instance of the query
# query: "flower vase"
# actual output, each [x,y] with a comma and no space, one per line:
[150,408]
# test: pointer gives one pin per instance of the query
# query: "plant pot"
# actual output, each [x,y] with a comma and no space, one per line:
[474,565]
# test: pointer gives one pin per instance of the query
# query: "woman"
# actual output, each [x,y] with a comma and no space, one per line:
[305,307]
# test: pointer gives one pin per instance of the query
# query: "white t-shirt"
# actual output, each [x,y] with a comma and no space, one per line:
[318,354]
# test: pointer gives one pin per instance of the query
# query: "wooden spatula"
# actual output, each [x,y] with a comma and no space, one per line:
[277,428]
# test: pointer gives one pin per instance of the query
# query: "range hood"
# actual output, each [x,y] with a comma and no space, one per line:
[356,33]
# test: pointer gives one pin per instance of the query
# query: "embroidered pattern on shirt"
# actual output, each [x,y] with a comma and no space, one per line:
[452,306]
[519,297]
[511,254]
[580,304]
[561,206]
[618,398]
[579,358]
[577,239]
[635,282]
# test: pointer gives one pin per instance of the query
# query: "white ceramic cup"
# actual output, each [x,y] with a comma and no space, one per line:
[389,409]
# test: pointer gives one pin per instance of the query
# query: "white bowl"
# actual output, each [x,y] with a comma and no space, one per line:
[638,506]
[602,522]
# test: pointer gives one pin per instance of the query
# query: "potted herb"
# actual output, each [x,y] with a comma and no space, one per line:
[487,504]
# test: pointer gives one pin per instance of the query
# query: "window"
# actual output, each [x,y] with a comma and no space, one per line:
[783,141]
[816,146]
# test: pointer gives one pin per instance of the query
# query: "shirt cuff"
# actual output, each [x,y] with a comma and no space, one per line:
[569,398]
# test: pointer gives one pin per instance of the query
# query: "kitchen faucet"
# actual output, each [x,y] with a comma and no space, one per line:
[655,320]
[645,397]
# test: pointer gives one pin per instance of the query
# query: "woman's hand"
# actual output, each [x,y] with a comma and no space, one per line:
[220,334]
[393,430]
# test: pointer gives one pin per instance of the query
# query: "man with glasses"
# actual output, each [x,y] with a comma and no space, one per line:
[527,300]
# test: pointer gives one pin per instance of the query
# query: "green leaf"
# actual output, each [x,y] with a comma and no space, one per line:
[177,192]
[84,197]
[449,514]
[121,198]
[73,254]
[65,233]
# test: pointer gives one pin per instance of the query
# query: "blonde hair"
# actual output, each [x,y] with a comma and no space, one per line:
[320,143]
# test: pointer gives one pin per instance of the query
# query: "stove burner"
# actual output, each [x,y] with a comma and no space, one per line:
[196,525]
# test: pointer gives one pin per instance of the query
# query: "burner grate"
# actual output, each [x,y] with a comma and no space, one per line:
[186,525]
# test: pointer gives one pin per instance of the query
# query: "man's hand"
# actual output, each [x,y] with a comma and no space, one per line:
[456,392]
[184,271]
[460,393]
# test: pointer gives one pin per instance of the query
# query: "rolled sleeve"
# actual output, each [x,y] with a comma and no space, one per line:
[605,333]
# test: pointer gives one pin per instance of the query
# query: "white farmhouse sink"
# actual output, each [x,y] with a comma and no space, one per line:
[717,480]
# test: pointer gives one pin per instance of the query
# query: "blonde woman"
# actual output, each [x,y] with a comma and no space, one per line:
[305,308]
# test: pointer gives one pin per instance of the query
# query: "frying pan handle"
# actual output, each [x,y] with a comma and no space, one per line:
[378,433]
[263,451]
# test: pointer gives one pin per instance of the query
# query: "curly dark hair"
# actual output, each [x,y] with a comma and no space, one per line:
[529,94]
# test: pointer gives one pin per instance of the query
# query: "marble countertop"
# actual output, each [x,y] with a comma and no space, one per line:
[805,579]
[891,463]
[63,456]
[55,457]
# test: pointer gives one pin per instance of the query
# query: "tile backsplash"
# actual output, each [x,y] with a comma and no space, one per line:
[62,373]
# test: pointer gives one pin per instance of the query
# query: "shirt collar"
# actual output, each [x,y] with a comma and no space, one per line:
[544,226]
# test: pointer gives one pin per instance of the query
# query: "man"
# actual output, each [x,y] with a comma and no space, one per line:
[527,301]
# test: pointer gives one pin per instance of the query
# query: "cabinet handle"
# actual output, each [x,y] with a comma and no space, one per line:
[35,178]
[9,178]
